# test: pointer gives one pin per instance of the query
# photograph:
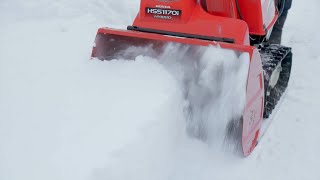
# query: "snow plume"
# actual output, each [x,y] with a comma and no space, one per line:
[214,84]
[213,81]
[208,90]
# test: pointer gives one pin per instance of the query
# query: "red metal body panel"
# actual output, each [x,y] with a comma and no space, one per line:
[186,7]
[253,113]
[200,23]
[251,13]
[224,8]
[209,20]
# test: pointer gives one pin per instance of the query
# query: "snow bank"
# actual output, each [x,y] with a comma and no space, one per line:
[62,116]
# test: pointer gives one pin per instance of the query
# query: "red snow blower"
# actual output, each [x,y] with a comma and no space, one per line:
[239,25]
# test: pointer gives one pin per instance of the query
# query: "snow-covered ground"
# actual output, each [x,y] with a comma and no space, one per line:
[65,117]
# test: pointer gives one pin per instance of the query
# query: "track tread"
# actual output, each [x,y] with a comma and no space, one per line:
[271,56]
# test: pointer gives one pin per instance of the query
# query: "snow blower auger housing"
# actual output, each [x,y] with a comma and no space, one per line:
[238,25]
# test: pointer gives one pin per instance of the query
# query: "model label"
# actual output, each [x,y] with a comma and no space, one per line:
[168,13]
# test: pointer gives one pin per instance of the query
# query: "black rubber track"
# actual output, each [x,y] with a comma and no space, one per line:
[272,56]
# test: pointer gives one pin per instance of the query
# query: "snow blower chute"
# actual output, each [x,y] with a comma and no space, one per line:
[239,25]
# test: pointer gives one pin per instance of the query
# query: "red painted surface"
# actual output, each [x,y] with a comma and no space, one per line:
[224,8]
[252,13]
[119,37]
[186,6]
[195,20]
[255,103]
[200,23]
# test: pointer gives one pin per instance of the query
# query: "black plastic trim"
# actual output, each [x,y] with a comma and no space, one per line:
[177,34]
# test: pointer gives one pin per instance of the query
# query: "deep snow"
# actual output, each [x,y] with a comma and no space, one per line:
[65,117]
